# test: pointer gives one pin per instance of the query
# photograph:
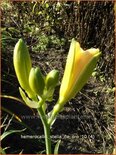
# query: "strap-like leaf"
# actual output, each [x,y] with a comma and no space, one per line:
[32,104]
[57,147]
[5,134]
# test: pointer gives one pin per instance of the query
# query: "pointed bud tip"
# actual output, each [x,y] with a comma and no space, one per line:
[20,41]
[20,45]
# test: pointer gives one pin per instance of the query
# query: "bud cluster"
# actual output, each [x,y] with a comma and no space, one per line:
[32,81]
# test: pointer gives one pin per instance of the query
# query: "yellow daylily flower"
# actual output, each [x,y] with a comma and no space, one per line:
[79,67]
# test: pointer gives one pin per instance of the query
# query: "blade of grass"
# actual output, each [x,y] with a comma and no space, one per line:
[5,134]
[16,99]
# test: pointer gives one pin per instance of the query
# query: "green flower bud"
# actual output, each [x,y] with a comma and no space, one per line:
[22,65]
[36,81]
[52,79]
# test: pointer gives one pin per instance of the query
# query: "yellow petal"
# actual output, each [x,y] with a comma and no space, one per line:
[78,62]
[68,69]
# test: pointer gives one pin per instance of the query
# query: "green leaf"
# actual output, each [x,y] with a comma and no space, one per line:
[30,103]
[5,134]
[2,151]
[57,147]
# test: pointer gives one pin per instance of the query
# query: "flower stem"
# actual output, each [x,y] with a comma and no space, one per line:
[46,130]
[57,108]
